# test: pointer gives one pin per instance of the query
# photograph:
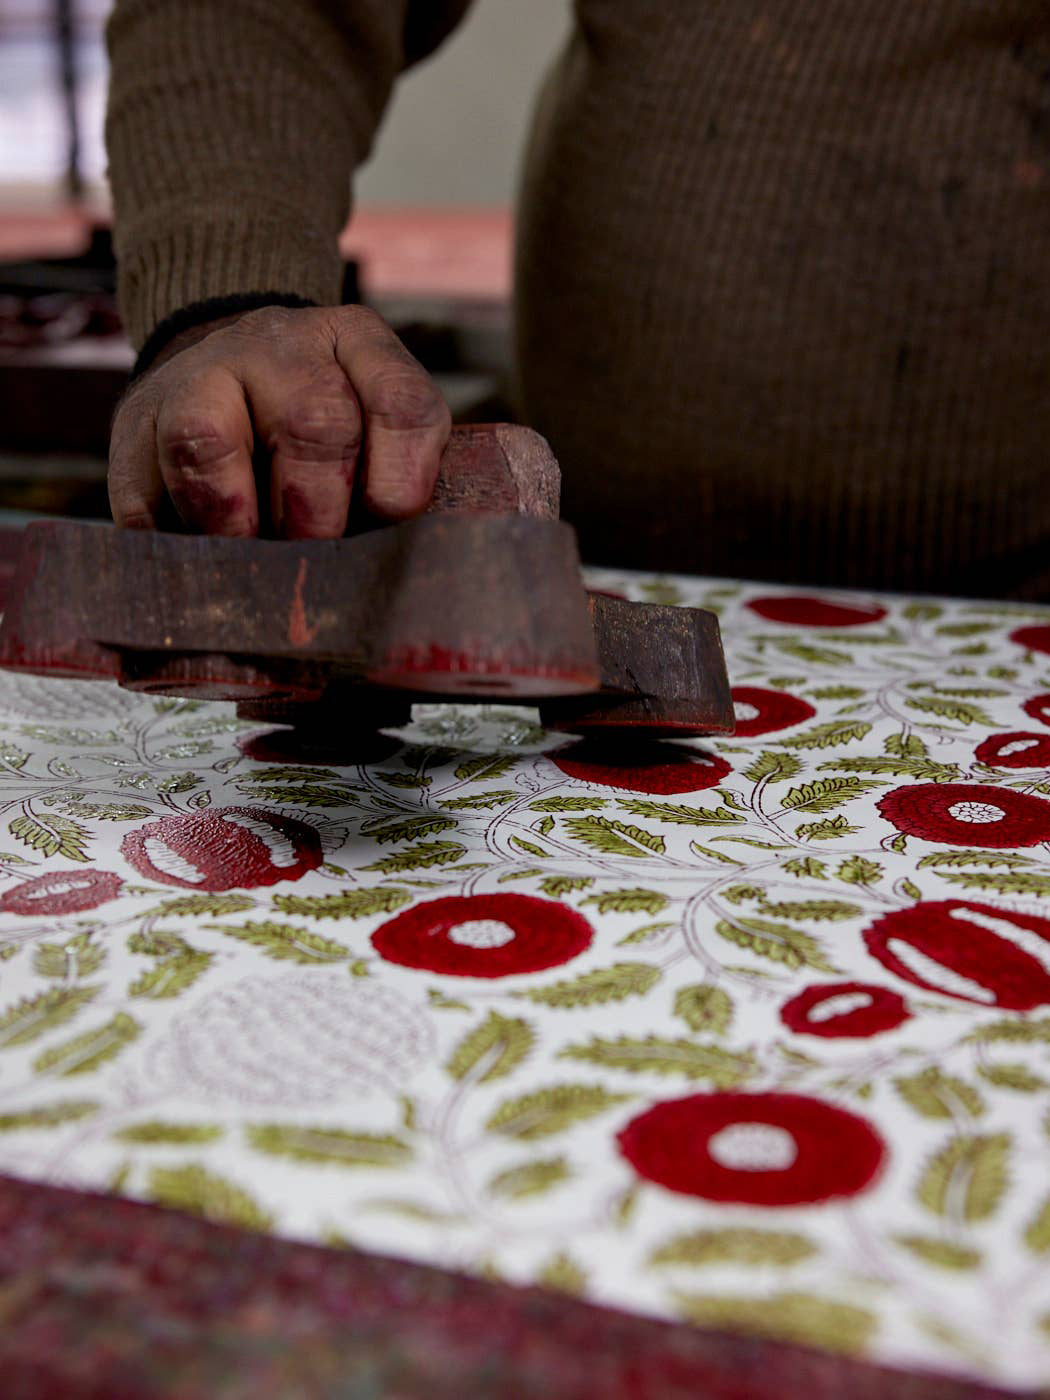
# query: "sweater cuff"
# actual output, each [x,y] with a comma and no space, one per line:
[164,270]
[199,313]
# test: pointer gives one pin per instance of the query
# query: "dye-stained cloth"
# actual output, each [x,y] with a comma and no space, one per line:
[747,1032]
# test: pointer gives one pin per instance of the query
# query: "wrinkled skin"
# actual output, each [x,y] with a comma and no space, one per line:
[320,402]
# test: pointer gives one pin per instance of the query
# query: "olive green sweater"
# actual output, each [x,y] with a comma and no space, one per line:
[783,274]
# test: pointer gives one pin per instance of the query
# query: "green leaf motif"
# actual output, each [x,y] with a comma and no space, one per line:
[629,901]
[826,736]
[156,1133]
[937,1095]
[905,745]
[922,769]
[57,836]
[349,904]
[1037,1232]
[1016,1031]
[956,710]
[837,692]
[774,766]
[942,1253]
[614,838]
[12,755]
[77,957]
[557,886]
[1017,1077]
[199,1192]
[497,797]
[816,656]
[655,1055]
[498,1046]
[335,1147]
[857,870]
[974,858]
[733,1245]
[489,766]
[648,933]
[598,988]
[303,795]
[680,813]
[814,910]
[545,1112]
[806,868]
[787,1317]
[967,1177]
[106,811]
[171,976]
[286,942]
[412,828]
[530,1179]
[404,780]
[52,1115]
[777,942]
[214,904]
[529,847]
[825,794]
[704,1008]
[1014,882]
[421,857]
[86,1052]
[829,830]
[562,1273]
[566,804]
[33,1017]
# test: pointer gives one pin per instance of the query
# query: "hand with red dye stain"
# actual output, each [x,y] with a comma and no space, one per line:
[313,397]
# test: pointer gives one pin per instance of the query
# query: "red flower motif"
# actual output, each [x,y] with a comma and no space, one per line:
[230,848]
[815,612]
[968,814]
[641,766]
[974,952]
[764,711]
[294,746]
[850,1009]
[484,935]
[1032,638]
[1018,749]
[1038,708]
[754,1149]
[62,892]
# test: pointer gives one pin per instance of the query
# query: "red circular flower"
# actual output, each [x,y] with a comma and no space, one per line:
[227,849]
[1018,749]
[815,612]
[764,711]
[754,1149]
[1038,708]
[974,952]
[62,892]
[325,751]
[641,765]
[1032,638]
[968,814]
[484,935]
[845,1009]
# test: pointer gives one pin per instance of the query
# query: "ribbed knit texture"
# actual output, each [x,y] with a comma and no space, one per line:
[783,288]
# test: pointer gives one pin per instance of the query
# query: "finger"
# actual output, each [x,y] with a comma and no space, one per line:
[204,449]
[406,421]
[312,429]
[136,488]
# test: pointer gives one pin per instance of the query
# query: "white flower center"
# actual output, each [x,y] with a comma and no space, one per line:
[744,711]
[980,813]
[482,933]
[753,1147]
[841,1005]
[1019,746]
[164,858]
[943,978]
[282,852]
[59,887]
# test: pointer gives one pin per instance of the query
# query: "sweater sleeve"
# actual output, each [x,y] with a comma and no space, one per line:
[232,131]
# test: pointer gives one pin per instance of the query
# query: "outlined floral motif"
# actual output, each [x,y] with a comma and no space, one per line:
[754,1149]
[223,986]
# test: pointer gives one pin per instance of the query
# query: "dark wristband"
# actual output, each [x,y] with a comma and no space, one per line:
[200,312]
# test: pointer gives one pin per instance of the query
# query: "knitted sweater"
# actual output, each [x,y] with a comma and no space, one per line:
[782,276]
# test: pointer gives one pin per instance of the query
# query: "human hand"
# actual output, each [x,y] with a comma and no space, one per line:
[317,395]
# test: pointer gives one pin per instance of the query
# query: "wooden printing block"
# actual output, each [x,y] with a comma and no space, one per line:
[479,598]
